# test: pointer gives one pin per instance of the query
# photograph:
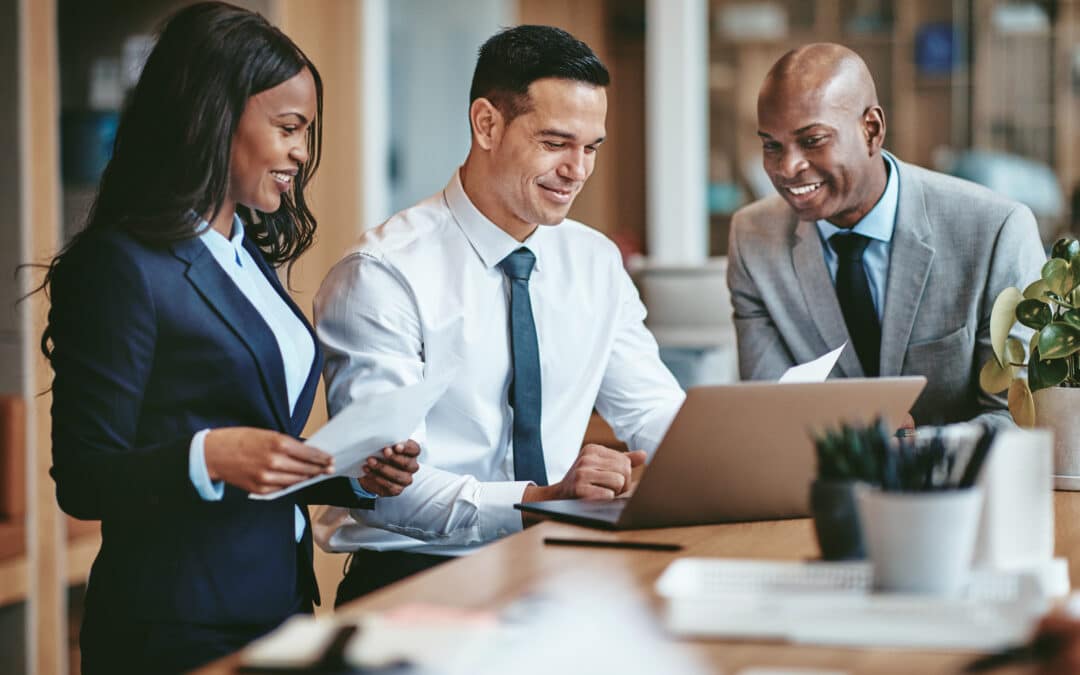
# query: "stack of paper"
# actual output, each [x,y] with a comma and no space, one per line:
[370,424]
[833,604]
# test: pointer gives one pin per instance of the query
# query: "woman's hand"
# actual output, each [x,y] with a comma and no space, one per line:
[388,475]
[261,461]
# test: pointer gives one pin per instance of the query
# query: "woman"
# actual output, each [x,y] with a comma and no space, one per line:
[183,371]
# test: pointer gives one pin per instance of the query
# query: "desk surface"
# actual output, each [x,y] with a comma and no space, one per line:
[506,570]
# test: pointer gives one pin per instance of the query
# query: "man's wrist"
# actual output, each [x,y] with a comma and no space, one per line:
[537,493]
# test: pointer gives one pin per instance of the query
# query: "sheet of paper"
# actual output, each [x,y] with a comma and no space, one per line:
[371,423]
[814,371]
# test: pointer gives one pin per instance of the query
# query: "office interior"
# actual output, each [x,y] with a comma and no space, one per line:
[985,89]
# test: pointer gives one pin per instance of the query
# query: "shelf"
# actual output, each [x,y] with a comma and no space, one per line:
[935,81]
[875,39]
[14,580]
[15,569]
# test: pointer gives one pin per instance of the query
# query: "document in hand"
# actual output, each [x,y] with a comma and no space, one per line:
[814,371]
[371,423]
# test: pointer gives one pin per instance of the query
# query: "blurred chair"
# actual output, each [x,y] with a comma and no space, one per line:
[690,315]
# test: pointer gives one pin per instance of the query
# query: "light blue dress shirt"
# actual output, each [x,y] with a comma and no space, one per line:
[294,342]
[878,225]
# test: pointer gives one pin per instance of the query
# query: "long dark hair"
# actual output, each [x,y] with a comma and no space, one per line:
[170,161]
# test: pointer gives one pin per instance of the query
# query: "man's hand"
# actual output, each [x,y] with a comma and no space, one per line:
[261,461]
[597,473]
[388,475]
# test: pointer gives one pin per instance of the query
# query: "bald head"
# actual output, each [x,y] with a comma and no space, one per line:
[822,130]
[830,71]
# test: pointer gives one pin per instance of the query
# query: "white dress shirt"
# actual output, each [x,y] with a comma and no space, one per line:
[424,290]
[293,340]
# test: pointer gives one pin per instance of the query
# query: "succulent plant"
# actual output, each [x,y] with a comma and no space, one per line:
[1051,307]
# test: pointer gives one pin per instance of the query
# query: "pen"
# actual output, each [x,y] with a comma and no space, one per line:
[600,543]
[1041,648]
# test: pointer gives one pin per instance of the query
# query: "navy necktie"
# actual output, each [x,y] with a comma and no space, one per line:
[525,386]
[853,292]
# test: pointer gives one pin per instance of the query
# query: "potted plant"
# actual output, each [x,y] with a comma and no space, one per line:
[844,458]
[1048,396]
[920,522]
[874,456]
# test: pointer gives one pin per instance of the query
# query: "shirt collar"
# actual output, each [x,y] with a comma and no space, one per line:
[490,241]
[879,223]
[217,242]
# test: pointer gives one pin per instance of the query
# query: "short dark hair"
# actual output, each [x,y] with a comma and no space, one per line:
[514,58]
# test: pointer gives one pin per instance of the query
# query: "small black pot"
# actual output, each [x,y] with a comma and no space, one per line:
[836,520]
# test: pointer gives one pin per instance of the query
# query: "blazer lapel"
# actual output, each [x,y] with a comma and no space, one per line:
[307,395]
[820,296]
[219,291]
[909,268]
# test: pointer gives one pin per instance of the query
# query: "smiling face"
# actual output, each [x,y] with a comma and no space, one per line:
[536,165]
[271,142]
[822,149]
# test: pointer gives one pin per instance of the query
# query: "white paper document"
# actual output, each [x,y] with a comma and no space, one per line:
[370,424]
[814,371]
[833,603]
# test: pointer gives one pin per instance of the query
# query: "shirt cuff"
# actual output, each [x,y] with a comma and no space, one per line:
[211,491]
[496,514]
[360,491]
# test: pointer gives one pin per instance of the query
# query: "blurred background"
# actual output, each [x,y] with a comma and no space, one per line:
[984,89]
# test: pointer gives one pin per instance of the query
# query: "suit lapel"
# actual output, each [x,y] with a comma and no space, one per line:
[307,394]
[909,267]
[219,291]
[820,296]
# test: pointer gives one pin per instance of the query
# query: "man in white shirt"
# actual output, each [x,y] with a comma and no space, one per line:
[543,322]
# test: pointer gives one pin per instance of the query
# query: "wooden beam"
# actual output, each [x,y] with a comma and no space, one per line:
[40,224]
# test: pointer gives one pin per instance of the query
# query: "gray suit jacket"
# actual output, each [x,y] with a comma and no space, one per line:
[954,247]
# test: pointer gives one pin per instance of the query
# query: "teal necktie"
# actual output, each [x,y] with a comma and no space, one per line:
[525,386]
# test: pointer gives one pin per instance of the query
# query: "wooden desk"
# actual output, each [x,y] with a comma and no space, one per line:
[504,571]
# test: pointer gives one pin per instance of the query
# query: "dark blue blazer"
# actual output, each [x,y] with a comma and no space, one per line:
[150,345]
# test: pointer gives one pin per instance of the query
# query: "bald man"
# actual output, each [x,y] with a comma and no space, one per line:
[900,262]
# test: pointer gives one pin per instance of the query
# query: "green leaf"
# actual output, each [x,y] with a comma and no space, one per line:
[1021,404]
[1034,313]
[993,378]
[1002,317]
[1065,248]
[1048,373]
[1057,340]
[1036,290]
[1057,276]
[1072,317]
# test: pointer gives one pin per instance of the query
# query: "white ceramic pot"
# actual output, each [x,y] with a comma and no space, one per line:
[919,542]
[1058,409]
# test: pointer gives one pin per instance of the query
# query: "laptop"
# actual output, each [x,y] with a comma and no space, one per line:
[740,452]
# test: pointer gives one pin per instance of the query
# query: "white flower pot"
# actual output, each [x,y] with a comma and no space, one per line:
[919,542]
[1058,409]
